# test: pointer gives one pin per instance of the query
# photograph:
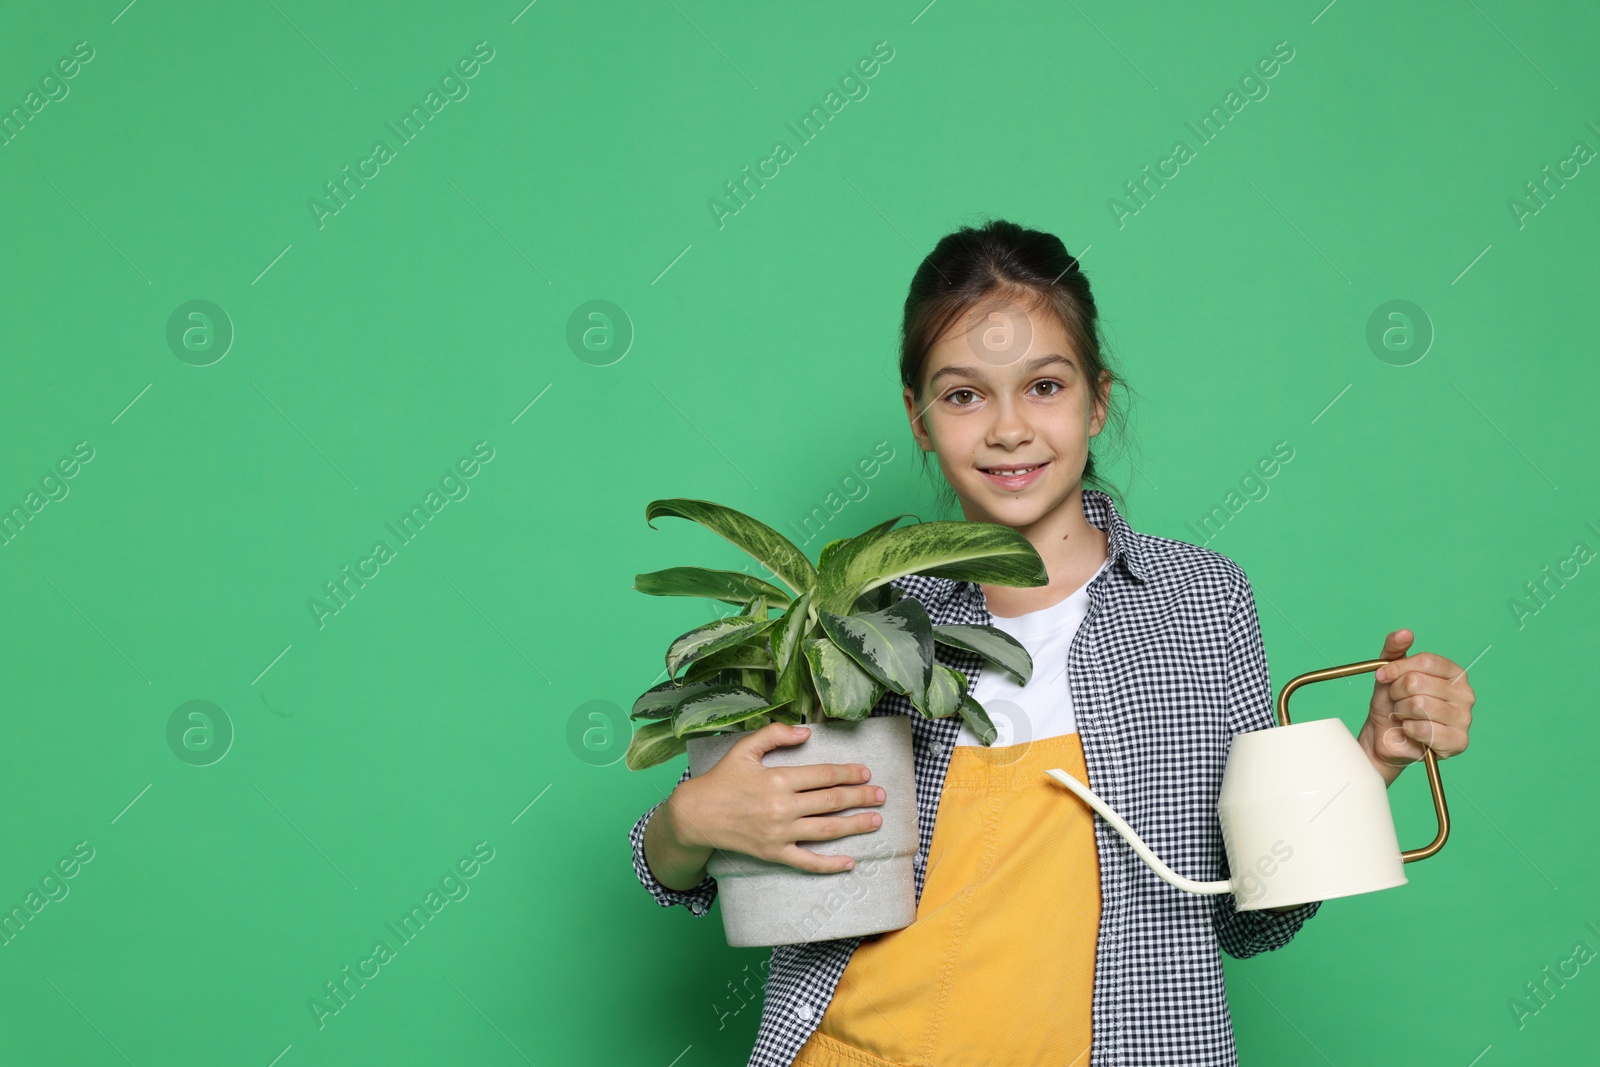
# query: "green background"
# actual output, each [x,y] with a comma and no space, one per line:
[438,708]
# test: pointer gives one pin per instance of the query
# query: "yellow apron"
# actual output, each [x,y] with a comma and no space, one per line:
[998,967]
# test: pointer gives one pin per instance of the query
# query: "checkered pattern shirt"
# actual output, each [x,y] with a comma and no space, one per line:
[1166,668]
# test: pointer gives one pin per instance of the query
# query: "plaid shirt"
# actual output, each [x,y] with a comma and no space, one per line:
[1167,667]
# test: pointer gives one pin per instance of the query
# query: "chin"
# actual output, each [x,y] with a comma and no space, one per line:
[1012,512]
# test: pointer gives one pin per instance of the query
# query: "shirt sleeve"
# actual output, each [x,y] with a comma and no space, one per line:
[1249,689]
[697,900]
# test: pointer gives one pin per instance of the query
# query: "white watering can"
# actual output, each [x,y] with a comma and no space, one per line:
[1305,815]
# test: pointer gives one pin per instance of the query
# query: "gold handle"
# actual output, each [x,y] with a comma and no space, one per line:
[1434,784]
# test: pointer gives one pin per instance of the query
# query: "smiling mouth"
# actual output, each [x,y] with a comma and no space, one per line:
[1014,478]
[1011,472]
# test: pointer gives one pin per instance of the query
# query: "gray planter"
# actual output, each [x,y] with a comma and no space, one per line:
[766,903]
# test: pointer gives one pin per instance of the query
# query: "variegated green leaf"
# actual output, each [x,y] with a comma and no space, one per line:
[746,655]
[977,720]
[757,682]
[946,689]
[826,555]
[971,551]
[791,713]
[846,691]
[768,547]
[851,545]
[785,638]
[714,636]
[652,743]
[992,643]
[894,645]
[756,609]
[732,587]
[662,700]
[786,632]
[837,555]
[875,532]
[720,706]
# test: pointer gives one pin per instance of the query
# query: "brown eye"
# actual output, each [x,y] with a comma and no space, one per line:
[1056,385]
[957,392]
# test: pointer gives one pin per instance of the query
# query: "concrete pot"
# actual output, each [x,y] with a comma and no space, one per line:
[767,903]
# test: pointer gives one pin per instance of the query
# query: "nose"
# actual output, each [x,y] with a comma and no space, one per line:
[1010,427]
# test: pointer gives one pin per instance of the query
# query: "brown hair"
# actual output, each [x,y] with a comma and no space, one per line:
[1000,259]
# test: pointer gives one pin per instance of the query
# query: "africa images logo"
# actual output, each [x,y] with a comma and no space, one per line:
[1254,84]
[453,886]
[453,84]
[454,486]
[741,190]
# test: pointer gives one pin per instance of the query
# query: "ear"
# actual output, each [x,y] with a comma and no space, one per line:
[1102,404]
[919,425]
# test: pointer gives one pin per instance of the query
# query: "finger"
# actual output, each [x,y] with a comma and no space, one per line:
[821,775]
[1396,643]
[1418,684]
[1428,663]
[1446,741]
[1395,744]
[1445,712]
[773,735]
[806,860]
[837,798]
[829,827]
[1408,738]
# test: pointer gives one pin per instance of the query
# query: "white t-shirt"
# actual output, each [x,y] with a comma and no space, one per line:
[1043,707]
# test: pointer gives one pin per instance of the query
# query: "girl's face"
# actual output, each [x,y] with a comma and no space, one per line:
[1003,390]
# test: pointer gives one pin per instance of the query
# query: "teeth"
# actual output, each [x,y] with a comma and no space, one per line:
[1013,473]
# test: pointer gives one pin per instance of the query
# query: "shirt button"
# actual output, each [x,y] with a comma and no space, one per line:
[803,1012]
[917,859]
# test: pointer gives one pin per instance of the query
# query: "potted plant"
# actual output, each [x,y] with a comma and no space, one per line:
[845,637]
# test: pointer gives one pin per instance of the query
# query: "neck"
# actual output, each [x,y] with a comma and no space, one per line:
[1072,550]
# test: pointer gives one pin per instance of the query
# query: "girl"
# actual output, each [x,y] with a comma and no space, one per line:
[1040,936]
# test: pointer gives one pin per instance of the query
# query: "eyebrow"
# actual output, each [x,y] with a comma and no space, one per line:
[974,372]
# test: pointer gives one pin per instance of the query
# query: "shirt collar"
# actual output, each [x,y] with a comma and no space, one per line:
[1122,543]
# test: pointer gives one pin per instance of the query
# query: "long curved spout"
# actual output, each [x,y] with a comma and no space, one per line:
[1188,885]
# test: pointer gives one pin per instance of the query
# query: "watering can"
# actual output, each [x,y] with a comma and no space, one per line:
[1305,815]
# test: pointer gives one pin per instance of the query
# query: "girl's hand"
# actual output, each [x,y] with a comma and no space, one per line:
[745,806]
[1417,701]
